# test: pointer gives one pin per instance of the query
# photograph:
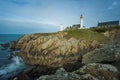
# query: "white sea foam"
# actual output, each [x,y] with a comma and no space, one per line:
[17,60]
[13,68]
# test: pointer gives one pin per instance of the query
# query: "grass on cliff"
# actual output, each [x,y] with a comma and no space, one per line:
[103,29]
[86,34]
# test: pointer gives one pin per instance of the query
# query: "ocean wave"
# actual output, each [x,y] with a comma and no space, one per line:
[12,69]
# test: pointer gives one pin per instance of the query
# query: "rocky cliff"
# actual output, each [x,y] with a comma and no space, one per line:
[53,49]
[102,63]
[64,49]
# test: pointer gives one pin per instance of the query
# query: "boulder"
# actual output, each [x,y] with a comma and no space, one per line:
[5,45]
[98,72]
[110,53]
[61,74]
[92,71]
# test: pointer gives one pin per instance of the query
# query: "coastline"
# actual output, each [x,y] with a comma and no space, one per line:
[73,67]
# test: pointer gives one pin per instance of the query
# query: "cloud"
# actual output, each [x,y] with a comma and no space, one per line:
[34,21]
[49,12]
[113,5]
[20,27]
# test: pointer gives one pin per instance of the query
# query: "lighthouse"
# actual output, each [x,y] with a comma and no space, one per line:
[81,22]
[61,27]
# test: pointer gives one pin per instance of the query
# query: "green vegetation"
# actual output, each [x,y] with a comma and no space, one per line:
[86,34]
[103,29]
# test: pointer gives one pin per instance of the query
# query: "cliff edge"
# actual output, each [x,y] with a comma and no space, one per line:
[57,49]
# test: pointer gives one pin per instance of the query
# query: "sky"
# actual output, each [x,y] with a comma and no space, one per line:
[38,16]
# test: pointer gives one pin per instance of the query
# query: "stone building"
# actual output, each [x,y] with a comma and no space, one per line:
[108,24]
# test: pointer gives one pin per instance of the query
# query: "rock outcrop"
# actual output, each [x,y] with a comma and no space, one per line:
[53,49]
[108,54]
[47,52]
[5,45]
[99,71]
[93,71]
[111,35]
[61,74]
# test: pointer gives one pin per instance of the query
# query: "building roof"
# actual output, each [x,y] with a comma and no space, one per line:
[108,23]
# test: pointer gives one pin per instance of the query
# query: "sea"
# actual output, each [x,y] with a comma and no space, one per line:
[9,67]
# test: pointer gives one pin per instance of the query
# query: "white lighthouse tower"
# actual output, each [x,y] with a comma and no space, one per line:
[81,22]
[61,27]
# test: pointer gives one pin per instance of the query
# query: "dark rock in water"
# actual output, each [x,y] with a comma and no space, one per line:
[93,71]
[5,45]
[13,45]
[11,54]
[33,72]
[10,57]
[2,74]
[4,48]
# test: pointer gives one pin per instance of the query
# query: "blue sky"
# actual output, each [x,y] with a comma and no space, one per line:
[33,16]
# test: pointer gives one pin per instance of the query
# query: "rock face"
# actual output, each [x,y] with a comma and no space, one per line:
[99,71]
[109,53]
[53,49]
[112,34]
[33,72]
[61,74]
[93,71]
[50,51]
